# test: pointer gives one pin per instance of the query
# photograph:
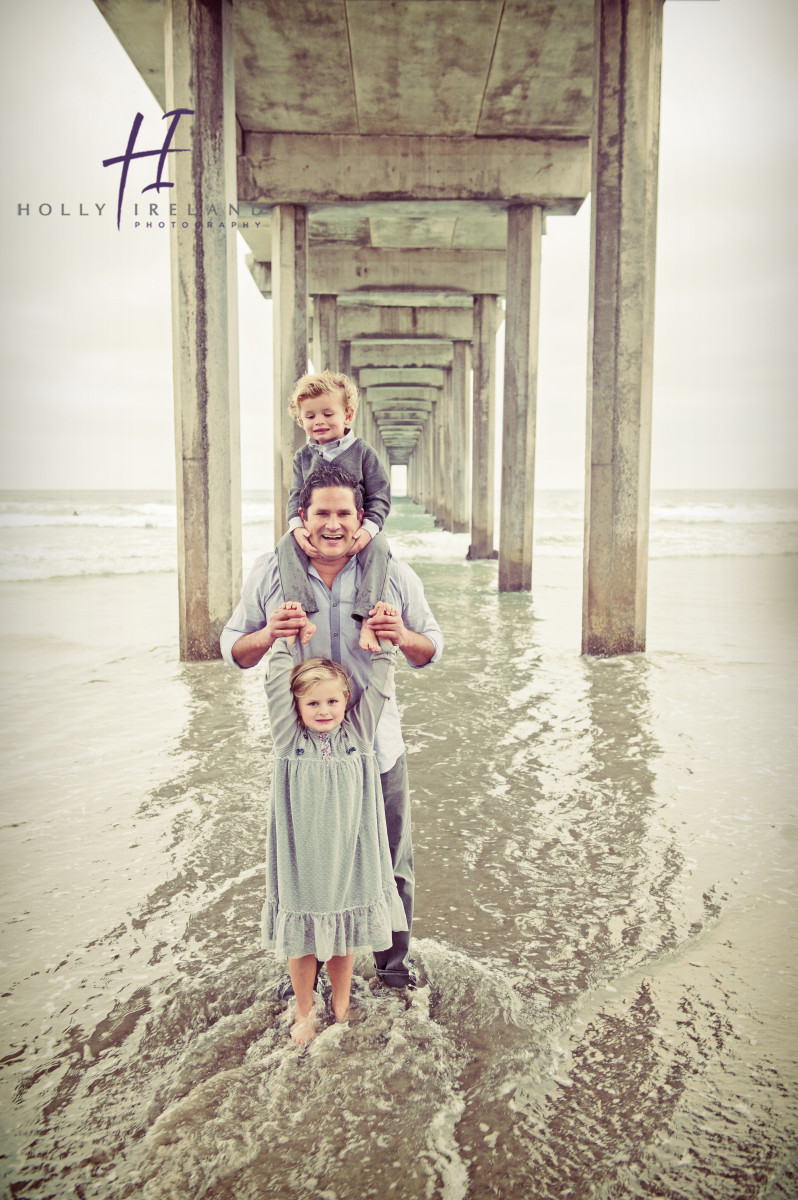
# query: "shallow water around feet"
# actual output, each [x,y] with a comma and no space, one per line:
[605,926]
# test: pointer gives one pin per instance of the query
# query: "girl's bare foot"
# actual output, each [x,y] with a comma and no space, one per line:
[341,1010]
[304,1029]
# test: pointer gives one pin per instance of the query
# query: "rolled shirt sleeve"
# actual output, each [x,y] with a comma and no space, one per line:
[260,595]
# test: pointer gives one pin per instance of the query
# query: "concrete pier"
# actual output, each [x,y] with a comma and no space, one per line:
[483,427]
[461,437]
[290,323]
[524,230]
[418,190]
[199,76]
[628,49]
[326,340]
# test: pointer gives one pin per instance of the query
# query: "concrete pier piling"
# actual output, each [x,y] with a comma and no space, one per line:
[524,230]
[483,427]
[290,322]
[461,437]
[628,50]
[199,76]
[326,347]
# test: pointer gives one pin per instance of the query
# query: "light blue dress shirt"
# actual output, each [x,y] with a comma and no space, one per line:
[337,635]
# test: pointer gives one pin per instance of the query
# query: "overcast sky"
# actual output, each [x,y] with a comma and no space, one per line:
[86,327]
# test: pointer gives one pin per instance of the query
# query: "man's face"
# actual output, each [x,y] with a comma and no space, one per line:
[332,521]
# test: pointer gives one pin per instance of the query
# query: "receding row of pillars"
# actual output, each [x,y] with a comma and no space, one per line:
[200,77]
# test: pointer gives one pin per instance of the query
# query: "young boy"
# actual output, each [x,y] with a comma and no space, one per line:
[324,406]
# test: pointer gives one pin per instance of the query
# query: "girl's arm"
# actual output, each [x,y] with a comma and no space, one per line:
[282,714]
[364,716]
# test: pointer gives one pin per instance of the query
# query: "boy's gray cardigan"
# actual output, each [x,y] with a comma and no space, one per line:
[361,461]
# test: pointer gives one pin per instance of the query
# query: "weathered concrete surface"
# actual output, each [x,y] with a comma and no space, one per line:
[405,354]
[339,269]
[306,168]
[486,322]
[407,377]
[524,229]
[485,68]
[326,340]
[365,321]
[623,242]
[290,353]
[461,437]
[204,330]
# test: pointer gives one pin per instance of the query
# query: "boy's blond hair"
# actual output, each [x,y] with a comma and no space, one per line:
[326,383]
[306,675]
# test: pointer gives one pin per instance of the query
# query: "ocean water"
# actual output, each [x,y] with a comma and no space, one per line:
[52,534]
[605,931]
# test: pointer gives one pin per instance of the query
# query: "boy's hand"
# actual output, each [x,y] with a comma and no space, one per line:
[303,541]
[360,541]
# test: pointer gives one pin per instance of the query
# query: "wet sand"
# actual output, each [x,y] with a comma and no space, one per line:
[605,924]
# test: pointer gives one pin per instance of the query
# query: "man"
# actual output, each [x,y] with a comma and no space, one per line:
[331,508]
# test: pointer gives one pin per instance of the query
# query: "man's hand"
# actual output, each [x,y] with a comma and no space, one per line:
[387,623]
[284,622]
[360,541]
[304,543]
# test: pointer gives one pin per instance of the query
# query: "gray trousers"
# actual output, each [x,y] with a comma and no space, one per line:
[392,965]
[292,563]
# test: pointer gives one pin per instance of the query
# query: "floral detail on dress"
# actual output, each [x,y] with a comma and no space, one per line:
[324,745]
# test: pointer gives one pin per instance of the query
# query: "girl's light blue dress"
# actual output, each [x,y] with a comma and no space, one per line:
[329,878]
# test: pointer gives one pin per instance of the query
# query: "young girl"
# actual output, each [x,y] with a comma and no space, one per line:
[325,406]
[329,878]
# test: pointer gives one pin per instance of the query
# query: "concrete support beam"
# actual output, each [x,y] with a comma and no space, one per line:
[344,270]
[357,321]
[345,357]
[524,230]
[273,169]
[486,322]
[624,215]
[290,353]
[461,437]
[349,269]
[326,310]
[199,76]
[393,394]
[401,354]
[399,376]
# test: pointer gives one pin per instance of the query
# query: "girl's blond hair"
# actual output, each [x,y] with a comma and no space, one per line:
[306,675]
[327,383]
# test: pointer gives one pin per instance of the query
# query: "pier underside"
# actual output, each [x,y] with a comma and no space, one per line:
[400,161]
